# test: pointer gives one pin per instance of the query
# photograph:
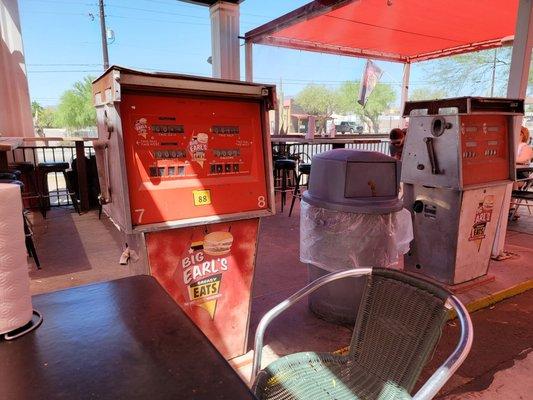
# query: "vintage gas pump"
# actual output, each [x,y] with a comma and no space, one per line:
[457,163]
[186,174]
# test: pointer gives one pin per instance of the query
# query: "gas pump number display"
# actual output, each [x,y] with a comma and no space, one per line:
[190,157]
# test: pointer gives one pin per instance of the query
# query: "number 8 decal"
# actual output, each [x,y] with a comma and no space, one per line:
[261,202]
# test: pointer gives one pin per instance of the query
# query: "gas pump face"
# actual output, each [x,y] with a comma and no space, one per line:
[191,157]
[456,168]
[185,163]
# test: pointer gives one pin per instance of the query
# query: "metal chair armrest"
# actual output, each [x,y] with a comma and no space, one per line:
[277,310]
[446,370]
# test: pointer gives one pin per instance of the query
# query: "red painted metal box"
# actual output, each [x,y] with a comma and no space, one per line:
[186,172]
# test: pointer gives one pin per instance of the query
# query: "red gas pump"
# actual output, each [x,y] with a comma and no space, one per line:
[186,173]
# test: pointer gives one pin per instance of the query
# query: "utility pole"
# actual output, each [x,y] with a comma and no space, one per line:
[493,73]
[103,33]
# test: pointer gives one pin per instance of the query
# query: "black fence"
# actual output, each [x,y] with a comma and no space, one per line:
[306,151]
[61,153]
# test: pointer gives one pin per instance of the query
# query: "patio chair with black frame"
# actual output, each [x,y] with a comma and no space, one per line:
[524,194]
[398,325]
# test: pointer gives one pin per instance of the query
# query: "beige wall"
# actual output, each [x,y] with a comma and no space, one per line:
[15,109]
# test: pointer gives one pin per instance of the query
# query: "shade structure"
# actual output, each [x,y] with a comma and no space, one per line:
[392,30]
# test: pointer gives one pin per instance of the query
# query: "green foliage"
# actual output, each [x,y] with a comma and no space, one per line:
[471,73]
[425,93]
[76,110]
[47,118]
[317,100]
[36,109]
[42,117]
[381,98]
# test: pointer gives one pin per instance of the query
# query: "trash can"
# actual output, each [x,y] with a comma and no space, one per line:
[351,217]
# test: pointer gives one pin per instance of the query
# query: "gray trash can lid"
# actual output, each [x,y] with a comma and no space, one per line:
[356,181]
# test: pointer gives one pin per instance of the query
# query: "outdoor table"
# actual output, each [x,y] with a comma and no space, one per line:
[7,144]
[124,339]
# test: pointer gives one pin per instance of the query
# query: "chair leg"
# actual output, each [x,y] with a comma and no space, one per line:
[41,186]
[30,246]
[295,193]
[71,193]
[283,187]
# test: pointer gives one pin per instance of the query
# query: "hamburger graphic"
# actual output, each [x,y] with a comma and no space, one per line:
[202,137]
[198,147]
[218,243]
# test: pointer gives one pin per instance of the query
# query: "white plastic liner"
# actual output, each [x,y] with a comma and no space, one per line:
[334,240]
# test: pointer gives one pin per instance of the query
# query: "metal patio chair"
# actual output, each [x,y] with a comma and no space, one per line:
[398,325]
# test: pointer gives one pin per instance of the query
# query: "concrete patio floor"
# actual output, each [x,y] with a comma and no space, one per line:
[76,250]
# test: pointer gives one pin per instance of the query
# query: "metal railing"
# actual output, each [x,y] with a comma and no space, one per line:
[305,151]
[312,149]
[61,153]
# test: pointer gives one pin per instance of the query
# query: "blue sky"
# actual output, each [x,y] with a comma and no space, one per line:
[62,45]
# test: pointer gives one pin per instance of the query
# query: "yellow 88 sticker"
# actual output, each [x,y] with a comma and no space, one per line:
[201,197]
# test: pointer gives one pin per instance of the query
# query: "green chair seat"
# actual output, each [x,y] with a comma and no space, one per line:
[323,376]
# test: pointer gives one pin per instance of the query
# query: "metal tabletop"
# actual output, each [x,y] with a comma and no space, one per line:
[124,339]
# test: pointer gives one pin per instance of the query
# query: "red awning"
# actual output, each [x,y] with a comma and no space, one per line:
[393,30]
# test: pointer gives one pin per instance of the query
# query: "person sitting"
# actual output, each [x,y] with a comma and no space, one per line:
[524,155]
[397,140]
[525,152]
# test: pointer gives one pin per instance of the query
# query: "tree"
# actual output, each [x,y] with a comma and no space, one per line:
[425,93]
[76,110]
[381,98]
[317,100]
[479,73]
[36,108]
[42,117]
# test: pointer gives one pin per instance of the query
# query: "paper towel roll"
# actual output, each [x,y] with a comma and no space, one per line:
[15,298]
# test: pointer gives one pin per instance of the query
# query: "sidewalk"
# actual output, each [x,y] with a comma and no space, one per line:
[500,364]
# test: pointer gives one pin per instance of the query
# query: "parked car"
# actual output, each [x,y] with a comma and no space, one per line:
[348,127]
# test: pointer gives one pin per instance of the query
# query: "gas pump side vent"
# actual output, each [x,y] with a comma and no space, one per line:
[467,105]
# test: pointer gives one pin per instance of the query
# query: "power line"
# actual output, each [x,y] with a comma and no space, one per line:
[156,12]
[62,65]
[62,71]
[181,4]
[62,2]
[54,13]
[156,20]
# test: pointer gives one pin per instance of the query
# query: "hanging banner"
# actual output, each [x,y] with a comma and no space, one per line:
[371,76]
[208,270]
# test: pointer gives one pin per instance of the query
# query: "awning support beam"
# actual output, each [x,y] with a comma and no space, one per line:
[249,61]
[225,46]
[405,90]
[516,89]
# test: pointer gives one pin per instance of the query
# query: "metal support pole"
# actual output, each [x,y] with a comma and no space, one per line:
[103,34]
[518,79]
[225,46]
[405,89]
[493,73]
[249,63]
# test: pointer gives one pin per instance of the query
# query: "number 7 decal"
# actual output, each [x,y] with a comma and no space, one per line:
[141,212]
